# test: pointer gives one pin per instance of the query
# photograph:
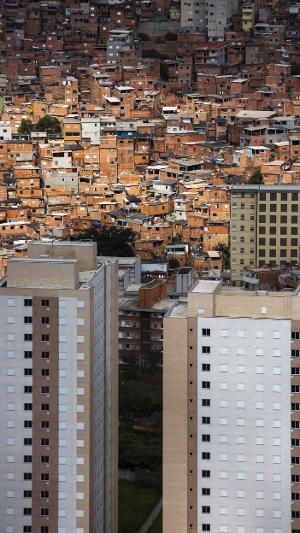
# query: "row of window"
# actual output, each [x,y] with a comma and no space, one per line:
[28,302]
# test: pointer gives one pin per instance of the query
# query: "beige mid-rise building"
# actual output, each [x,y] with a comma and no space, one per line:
[59,391]
[231,422]
[264,227]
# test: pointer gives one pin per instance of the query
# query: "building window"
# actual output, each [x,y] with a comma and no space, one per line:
[205,402]
[205,437]
[45,424]
[27,458]
[27,476]
[45,442]
[205,473]
[27,337]
[45,355]
[44,494]
[28,354]
[27,319]
[45,303]
[45,476]
[45,459]
[28,302]
[206,420]
[205,384]
[44,511]
[27,371]
[27,511]
[27,389]
[45,338]
[206,332]
[45,372]
[27,494]
[27,441]
[45,320]
[45,390]
[205,349]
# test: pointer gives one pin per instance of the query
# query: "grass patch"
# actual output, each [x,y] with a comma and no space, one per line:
[135,503]
[157,525]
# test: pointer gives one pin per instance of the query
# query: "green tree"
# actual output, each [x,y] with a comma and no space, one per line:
[224,250]
[26,126]
[49,124]
[111,241]
[256,178]
[295,69]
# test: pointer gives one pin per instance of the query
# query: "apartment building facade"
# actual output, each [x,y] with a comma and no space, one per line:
[59,391]
[211,16]
[231,412]
[264,226]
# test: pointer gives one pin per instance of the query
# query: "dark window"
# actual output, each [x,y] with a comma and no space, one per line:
[205,384]
[283,208]
[45,372]
[28,354]
[206,420]
[294,219]
[45,338]
[205,492]
[272,241]
[283,231]
[27,458]
[27,319]
[262,230]
[27,424]
[205,473]
[295,371]
[28,302]
[27,529]
[205,509]
[205,527]
[283,242]
[205,437]
[27,337]
[262,241]
[44,511]
[294,230]
[45,390]
[262,208]
[45,424]
[295,460]
[295,335]
[283,219]
[295,424]
[27,371]
[295,496]
[205,402]
[45,320]
[294,242]
[205,367]
[262,219]
[273,196]
[205,332]
[272,230]
[283,196]
[45,303]
[44,494]
[205,349]
[205,455]
[45,442]
[27,494]
[295,478]
[45,407]
[44,529]
[272,219]
[45,459]
[45,355]
[27,476]
[295,353]
[28,389]
[27,406]
[273,208]
[27,441]
[45,476]
[27,511]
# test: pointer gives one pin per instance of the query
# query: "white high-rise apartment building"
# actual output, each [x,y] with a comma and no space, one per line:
[210,16]
[58,391]
[231,453]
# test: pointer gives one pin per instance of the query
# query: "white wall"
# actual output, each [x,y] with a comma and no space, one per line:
[250,387]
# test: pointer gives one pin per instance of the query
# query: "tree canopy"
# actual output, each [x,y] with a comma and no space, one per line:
[256,178]
[49,124]
[111,241]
